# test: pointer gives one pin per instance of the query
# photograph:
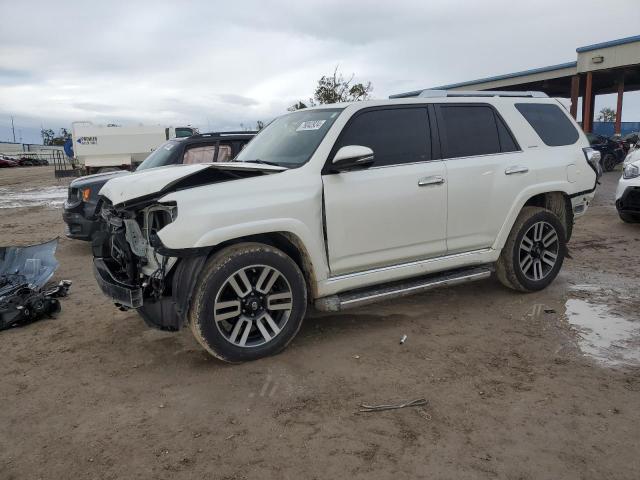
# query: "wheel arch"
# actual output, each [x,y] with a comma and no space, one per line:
[290,244]
[557,201]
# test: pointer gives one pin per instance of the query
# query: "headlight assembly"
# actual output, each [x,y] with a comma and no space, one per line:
[631,170]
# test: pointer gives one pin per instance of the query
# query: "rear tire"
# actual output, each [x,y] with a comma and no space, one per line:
[629,217]
[249,303]
[609,162]
[534,251]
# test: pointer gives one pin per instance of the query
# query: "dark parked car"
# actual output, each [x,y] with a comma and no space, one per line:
[611,151]
[80,207]
[25,162]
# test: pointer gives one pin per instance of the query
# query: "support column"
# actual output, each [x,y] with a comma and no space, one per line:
[575,92]
[587,119]
[618,124]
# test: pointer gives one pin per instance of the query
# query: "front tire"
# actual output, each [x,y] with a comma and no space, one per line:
[249,303]
[534,251]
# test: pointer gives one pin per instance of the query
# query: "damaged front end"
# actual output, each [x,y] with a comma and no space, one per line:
[131,265]
[130,269]
[25,295]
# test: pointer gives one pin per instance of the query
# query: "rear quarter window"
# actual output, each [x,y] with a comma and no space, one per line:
[472,130]
[550,123]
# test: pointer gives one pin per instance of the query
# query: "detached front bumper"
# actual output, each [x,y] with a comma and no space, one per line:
[121,293]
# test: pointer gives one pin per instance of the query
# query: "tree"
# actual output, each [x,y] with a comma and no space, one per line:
[335,89]
[47,136]
[299,105]
[50,138]
[259,125]
[607,115]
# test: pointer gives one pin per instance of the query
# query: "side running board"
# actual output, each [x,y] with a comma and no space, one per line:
[378,293]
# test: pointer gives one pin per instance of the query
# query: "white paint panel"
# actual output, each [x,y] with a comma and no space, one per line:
[381,216]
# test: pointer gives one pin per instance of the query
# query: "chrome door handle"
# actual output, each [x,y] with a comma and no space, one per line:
[516,169]
[433,180]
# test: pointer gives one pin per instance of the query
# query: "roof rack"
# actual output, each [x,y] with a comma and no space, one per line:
[223,134]
[472,93]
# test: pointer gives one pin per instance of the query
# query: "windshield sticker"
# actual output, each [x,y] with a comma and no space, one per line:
[310,125]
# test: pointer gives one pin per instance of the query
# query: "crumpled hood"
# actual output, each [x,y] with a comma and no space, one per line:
[155,180]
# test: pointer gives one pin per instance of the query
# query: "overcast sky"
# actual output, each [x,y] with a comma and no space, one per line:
[218,65]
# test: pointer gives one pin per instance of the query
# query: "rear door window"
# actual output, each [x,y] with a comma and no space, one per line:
[470,130]
[396,135]
[550,123]
[224,153]
[202,154]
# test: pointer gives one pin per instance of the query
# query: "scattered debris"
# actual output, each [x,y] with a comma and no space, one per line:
[403,339]
[424,414]
[379,408]
[486,458]
[356,357]
[25,295]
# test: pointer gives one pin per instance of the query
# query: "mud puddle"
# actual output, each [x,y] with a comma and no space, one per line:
[611,338]
[33,197]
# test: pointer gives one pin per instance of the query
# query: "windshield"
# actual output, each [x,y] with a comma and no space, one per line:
[290,140]
[161,156]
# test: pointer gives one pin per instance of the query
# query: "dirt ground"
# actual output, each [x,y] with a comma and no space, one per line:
[545,385]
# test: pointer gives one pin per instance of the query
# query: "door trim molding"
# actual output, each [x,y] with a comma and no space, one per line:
[380,275]
[415,263]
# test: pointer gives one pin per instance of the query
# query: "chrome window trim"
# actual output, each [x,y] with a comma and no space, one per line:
[483,155]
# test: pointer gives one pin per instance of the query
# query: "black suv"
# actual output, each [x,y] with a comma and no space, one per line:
[80,207]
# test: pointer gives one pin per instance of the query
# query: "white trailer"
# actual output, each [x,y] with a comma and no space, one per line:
[102,147]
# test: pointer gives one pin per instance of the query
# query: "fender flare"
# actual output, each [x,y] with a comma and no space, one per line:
[520,202]
[311,248]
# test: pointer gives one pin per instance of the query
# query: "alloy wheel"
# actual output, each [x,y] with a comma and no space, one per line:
[539,249]
[253,305]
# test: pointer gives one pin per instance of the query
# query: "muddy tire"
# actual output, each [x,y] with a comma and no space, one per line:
[629,217]
[608,162]
[249,303]
[534,252]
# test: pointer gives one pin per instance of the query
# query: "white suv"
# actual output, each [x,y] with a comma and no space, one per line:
[628,191]
[346,204]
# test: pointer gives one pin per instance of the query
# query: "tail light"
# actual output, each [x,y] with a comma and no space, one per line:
[593,159]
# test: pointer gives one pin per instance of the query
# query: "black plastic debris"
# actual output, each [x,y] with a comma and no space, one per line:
[25,294]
